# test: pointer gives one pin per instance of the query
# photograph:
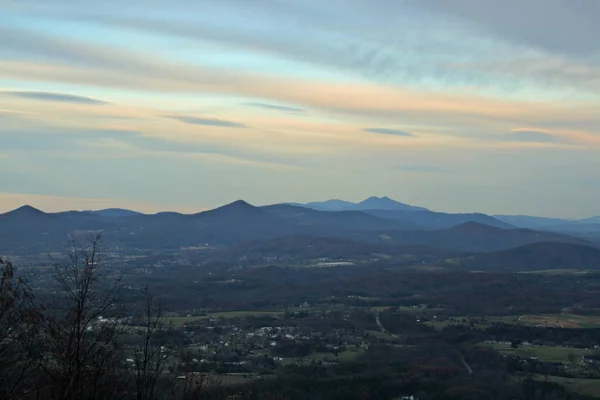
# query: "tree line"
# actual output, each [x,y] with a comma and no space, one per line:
[68,348]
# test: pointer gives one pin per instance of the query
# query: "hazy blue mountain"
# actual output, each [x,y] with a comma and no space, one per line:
[592,220]
[385,203]
[330,205]
[526,221]
[28,230]
[437,220]
[334,220]
[588,228]
[115,212]
[25,211]
[539,256]
[372,203]
[470,236]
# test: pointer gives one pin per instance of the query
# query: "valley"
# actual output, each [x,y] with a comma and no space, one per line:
[260,298]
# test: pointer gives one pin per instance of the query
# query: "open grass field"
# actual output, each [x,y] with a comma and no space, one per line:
[229,379]
[381,335]
[555,320]
[543,353]
[197,248]
[348,355]
[427,268]
[419,310]
[586,387]
[558,272]
[439,325]
[180,321]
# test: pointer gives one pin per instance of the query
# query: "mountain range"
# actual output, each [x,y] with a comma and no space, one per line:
[389,224]
[372,203]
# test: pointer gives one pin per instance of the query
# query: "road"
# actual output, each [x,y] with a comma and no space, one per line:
[378,320]
[382,328]
[467,366]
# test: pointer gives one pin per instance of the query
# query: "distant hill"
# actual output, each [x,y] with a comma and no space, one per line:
[470,236]
[30,230]
[25,211]
[526,221]
[372,203]
[592,220]
[539,256]
[115,212]
[437,220]
[332,221]
[587,227]
[409,216]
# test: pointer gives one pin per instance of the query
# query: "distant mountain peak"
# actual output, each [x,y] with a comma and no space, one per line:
[239,204]
[474,226]
[386,203]
[372,203]
[236,207]
[115,212]
[26,210]
[372,198]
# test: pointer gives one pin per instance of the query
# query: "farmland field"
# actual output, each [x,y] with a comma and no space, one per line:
[555,320]
[587,387]
[543,353]
[180,321]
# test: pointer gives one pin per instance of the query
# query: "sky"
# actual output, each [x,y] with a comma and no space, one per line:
[454,105]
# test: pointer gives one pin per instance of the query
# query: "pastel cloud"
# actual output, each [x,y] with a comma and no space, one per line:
[531,22]
[58,97]
[533,136]
[388,131]
[206,121]
[219,92]
[275,107]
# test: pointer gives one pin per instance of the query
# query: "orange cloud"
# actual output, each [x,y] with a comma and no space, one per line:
[430,114]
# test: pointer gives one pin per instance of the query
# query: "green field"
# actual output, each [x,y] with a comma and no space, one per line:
[439,325]
[418,310]
[180,321]
[557,272]
[587,387]
[543,353]
[381,335]
[427,268]
[348,355]
[229,379]
[554,320]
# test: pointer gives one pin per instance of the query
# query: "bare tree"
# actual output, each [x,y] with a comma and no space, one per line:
[150,360]
[192,386]
[80,361]
[19,319]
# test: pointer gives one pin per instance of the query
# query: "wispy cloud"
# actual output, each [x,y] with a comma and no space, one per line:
[58,97]
[309,85]
[206,121]
[533,136]
[530,23]
[275,107]
[387,131]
